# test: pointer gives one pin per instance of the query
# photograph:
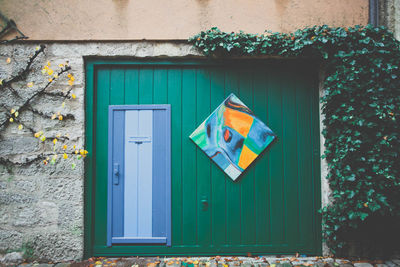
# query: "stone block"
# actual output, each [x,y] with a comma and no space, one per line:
[10,239]
[63,188]
[11,259]
[11,198]
[363,264]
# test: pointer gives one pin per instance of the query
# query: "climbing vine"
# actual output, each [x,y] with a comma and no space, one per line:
[361,105]
[20,94]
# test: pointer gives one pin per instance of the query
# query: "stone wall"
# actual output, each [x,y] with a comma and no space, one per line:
[41,207]
[389,16]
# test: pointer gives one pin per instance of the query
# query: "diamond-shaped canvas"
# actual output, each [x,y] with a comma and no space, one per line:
[232,136]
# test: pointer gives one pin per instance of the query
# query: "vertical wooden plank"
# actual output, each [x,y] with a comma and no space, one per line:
[289,142]
[145,174]
[203,162]
[117,156]
[175,99]
[261,167]
[131,85]
[146,79]
[276,171]
[248,234]
[189,185]
[218,179]
[131,203]
[159,172]
[103,100]
[233,193]
[160,91]
[117,86]
[305,158]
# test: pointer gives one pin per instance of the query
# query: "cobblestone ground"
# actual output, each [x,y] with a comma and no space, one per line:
[262,261]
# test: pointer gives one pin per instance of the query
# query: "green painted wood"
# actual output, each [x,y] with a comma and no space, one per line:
[271,209]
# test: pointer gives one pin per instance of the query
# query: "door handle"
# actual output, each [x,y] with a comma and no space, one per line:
[204,204]
[116,174]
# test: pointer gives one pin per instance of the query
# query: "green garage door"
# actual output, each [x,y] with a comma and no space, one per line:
[271,209]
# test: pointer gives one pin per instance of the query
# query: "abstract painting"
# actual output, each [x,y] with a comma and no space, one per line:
[232,136]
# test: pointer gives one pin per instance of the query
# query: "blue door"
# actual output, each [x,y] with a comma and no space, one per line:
[139,200]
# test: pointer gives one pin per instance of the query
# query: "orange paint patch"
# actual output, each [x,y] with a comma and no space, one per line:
[246,157]
[239,121]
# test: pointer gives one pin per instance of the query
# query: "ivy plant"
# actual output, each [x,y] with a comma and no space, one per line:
[361,106]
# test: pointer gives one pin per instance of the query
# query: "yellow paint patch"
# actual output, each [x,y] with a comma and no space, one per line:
[246,157]
[239,121]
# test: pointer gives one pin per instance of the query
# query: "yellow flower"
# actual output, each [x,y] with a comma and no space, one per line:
[70,82]
[16,114]
[73,96]
[46,67]
[65,156]
[45,162]
[8,60]
[12,111]
[60,117]
[50,71]
[61,65]
[64,147]
[76,151]
[55,75]
[37,48]
[48,63]
[30,84]
[72,78]
[20,127]
[53,116]
[43,138]
[55,141]
[11,120]
[69,75]
[1,81]
[50,80]
[37,134]
[74,147]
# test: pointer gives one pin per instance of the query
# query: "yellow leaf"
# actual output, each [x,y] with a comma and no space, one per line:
[55,141]
[65,156]
[97,262]
[43,138]
[64,147]
[63,104]
[44,71]
[12,111]
[50,71]
[46,67]
[50,80]
[69,75]
[70,82]
[81,151]
[60,117]
[48,63]
[8,60]
[11,120]
[61,65]
[1,81]
[30,84]
[53,116]
[74,147]
[45,162]
[76,151]
[73,96]
[16,114]
[72,78]
[20,127]
[37,48]
[37,134]
[366,205]
[55,75]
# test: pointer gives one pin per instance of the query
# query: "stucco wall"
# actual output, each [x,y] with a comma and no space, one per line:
[174,19]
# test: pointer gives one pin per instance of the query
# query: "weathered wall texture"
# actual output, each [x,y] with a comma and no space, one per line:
[174,19]
[41,207]
[389,16]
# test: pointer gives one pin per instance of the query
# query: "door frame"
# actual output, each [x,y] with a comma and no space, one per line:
[92,63]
